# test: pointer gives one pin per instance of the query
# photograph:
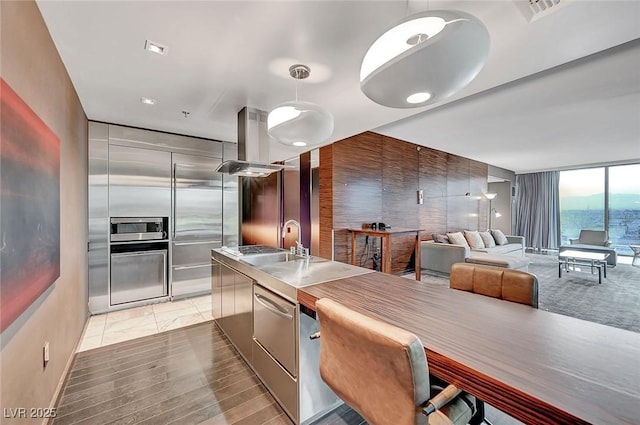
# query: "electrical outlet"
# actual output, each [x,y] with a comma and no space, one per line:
[45,354]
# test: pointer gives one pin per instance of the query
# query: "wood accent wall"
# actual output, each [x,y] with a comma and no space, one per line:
[374,178]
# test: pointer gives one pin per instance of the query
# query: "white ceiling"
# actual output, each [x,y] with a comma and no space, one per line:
[226,55]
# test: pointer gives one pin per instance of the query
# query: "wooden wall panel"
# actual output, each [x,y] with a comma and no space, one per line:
[325,198]
[400,182]
[371,178]
[458,207]
[433,180]
[357,188]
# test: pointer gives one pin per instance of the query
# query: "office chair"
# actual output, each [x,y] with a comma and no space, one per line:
[381,371]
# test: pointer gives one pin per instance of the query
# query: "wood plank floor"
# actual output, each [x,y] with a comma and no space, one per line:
[185,376]
[191,375]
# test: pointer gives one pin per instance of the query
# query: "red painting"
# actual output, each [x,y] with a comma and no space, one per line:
[29,206]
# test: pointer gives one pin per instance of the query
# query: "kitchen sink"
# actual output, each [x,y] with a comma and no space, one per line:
[270,258]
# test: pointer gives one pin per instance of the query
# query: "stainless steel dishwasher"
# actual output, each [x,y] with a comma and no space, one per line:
[274,327]
[275,347]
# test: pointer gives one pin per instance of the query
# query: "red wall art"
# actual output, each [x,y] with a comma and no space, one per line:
[29,206]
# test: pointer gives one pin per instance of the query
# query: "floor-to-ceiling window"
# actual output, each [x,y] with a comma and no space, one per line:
[624,207]
[581,202]
[602,198]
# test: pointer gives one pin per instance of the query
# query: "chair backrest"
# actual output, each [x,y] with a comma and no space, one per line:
[378,369]
[510,285]
[593,237]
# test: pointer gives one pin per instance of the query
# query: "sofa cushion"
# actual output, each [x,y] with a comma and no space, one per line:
[499,237]
[457,238]
[439,238]
[488,240]
[473,239]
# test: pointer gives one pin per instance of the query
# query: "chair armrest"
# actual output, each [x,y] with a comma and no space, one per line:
[516,239]
[441,399]
[573,241]
[440,256]
[607,243]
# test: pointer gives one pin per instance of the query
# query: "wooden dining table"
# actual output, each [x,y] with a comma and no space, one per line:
[537,366]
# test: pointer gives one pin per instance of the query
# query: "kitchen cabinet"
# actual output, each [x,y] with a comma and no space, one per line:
[232,305]
[216,295]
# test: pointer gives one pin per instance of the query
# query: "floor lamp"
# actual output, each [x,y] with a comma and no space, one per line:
[492,211]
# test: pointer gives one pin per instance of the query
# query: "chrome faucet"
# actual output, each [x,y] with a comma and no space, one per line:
[299,249]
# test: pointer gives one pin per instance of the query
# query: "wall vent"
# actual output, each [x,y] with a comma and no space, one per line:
[536,9]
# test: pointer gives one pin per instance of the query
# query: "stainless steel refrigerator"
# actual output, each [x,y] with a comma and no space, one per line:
[196,222]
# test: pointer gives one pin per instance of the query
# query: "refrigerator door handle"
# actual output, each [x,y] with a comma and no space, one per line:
[173,204]
[198,242]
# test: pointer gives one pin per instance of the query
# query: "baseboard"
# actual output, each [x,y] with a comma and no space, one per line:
[65,374]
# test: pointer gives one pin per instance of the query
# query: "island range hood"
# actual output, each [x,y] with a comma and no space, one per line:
[253,147]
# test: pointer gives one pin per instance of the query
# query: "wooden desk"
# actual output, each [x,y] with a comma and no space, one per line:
[537,366]
[385,235]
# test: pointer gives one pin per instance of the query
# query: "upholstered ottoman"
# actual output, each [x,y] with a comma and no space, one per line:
[504,261]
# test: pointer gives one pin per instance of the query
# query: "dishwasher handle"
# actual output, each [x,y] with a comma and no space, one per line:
[272,306]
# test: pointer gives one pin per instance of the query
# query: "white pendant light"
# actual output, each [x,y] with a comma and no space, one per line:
[427,57]
[298,123]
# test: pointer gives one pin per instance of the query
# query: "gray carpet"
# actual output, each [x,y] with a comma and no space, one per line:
[615,302]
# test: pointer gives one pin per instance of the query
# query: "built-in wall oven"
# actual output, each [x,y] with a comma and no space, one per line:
[138,266]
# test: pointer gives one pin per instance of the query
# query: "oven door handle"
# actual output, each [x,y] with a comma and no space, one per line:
[272,306]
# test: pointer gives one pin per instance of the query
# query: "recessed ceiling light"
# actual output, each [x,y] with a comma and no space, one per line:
[147,101]
[299,144]
[155,47]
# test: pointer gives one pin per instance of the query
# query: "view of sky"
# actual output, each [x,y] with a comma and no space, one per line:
[622,179]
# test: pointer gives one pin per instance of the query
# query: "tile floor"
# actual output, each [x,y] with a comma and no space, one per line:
[123,325]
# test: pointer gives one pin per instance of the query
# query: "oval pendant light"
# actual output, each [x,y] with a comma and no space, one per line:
[427,57]
[298,123]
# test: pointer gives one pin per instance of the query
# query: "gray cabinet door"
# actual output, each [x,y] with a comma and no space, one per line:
[227,299]
[216,291]
[139,182]
[233,292]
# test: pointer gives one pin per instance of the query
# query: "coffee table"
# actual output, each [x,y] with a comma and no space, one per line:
[595,260]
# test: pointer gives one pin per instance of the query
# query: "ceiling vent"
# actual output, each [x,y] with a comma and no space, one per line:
[536,9]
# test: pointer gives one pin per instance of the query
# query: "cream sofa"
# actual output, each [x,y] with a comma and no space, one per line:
[440,256]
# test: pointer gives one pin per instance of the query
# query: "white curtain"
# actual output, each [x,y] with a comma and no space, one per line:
[538,209]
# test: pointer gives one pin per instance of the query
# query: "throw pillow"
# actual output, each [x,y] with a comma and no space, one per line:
[488,240]
[474,239]
[500,238]
[438,238]
[457,238]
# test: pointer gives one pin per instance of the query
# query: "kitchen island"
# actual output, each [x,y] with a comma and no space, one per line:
[254,302]
[537,366]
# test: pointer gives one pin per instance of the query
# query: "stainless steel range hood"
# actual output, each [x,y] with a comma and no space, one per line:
[253,147]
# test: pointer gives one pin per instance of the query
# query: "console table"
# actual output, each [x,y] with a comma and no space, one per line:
[385,236]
